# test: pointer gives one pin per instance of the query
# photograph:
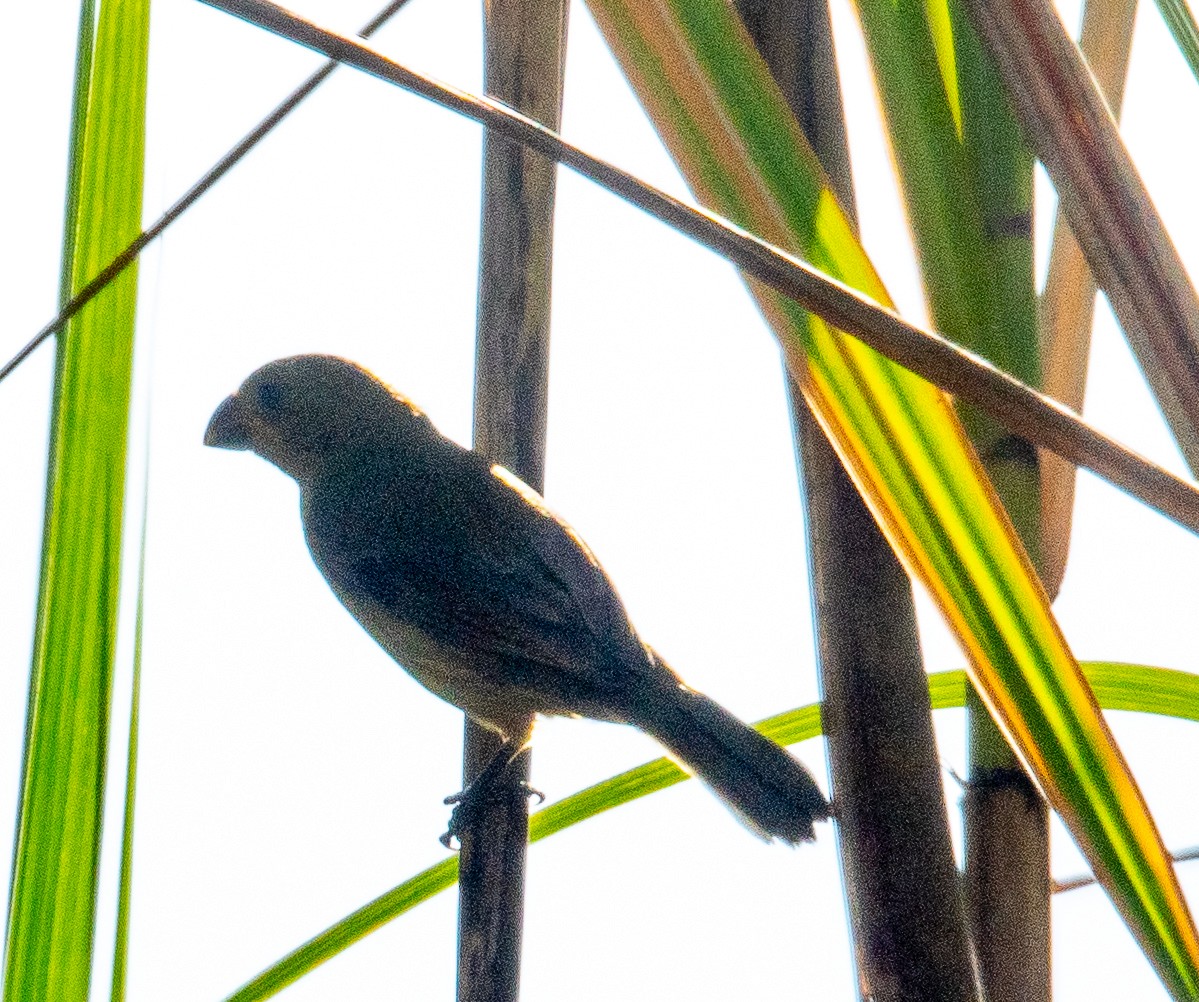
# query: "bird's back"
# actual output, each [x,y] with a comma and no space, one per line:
[465,577]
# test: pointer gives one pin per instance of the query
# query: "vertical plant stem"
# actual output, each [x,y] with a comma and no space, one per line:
[1068,125]
[1006,820]
[1067,306]
[967,180]
[525,47]
[51,915]
[896,855]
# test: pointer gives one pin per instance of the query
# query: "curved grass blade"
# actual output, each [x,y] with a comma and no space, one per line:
[349,930]
[1140,688]
[51,913]
[897,434]
[1165,692]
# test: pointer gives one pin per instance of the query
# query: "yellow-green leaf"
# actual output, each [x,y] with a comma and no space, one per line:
[733,137]
[1140,688]
[56,862]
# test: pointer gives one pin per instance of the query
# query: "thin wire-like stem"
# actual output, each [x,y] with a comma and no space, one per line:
[1032,415]
[1087,879]
[217,171]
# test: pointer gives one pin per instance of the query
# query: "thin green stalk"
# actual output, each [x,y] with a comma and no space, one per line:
[967,182]
[1139,688]
[1068,125]
[120,954]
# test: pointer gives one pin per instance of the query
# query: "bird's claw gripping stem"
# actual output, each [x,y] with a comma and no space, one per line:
[469,802]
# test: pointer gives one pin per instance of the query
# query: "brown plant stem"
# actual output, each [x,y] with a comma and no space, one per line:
[1069,126]
[524,49]
[1067,305]
[896,855]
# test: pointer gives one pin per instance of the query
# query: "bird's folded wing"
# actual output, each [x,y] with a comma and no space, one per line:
[473,558]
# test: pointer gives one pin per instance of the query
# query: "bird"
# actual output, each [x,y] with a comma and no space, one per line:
[464,576]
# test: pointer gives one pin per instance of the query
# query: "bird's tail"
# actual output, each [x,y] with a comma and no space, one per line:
[761,783]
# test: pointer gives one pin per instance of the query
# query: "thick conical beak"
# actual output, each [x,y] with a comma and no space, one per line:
[226,429]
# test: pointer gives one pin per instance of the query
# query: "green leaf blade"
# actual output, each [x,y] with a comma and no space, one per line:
[1139,688]
[51,914]
[906,450]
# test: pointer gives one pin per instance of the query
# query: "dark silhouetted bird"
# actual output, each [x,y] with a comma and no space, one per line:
[465,577]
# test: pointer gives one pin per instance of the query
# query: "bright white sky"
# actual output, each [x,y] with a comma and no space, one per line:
[290,772]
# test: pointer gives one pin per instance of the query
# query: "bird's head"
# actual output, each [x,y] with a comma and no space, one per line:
[296,412]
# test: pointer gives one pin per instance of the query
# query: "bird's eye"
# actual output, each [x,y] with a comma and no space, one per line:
[270,398]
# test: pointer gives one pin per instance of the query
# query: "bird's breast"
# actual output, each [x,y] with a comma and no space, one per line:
[451,673]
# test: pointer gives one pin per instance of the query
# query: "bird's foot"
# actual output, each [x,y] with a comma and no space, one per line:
[472,801]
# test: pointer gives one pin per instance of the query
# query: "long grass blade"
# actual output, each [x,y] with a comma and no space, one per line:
[51,913]
[1023,410]
[966,177]
[895,431]
[1139,688]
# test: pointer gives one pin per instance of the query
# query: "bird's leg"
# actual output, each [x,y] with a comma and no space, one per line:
[490,784]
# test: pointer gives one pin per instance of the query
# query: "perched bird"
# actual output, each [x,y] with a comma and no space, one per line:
[465,577]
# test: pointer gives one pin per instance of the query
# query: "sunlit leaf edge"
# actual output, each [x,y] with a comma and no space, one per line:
[1137,688]
[906,452]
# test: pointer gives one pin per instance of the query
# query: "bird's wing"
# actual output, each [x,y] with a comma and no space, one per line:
[468,555]
[566,558]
